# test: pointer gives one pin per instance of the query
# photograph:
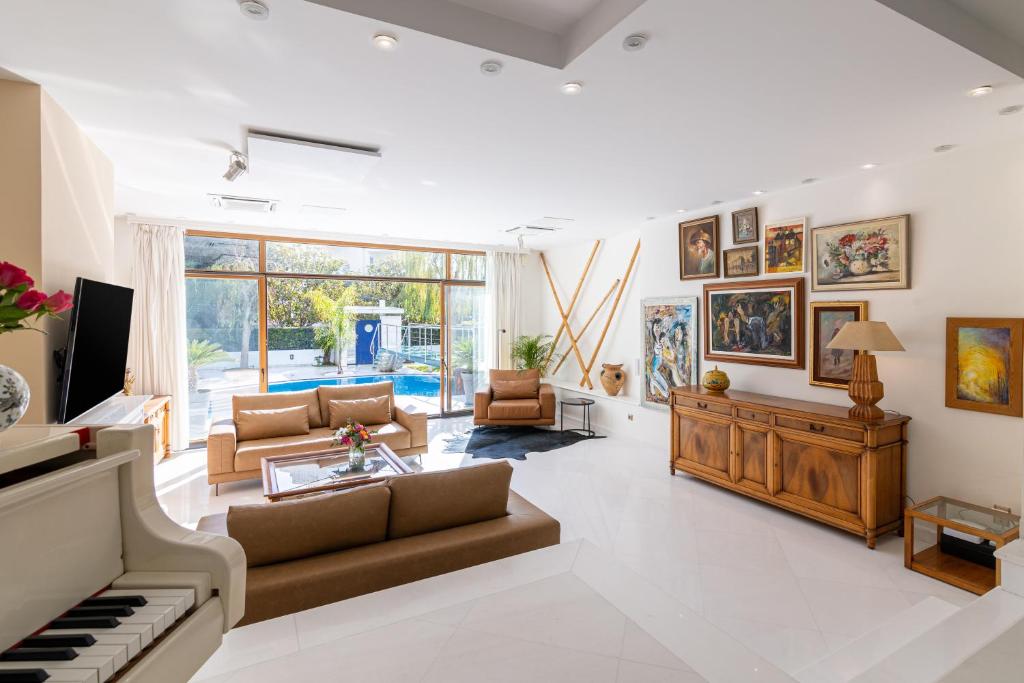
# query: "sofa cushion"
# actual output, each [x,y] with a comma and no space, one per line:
[264,424]
[393,434]
[280,399]
[291,530]
[348,392]
[518,409]
[510,389]
[431,501]
[248,454]
[364,411]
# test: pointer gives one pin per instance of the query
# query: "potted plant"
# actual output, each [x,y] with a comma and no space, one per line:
[464,364]
[533,353]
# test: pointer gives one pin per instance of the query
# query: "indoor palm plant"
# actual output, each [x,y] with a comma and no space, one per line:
[533,352]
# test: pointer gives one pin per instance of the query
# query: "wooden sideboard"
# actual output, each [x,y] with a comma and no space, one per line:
[810,458]
[157,412]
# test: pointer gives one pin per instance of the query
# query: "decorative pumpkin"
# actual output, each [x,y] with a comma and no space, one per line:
[612,378]
[715,380]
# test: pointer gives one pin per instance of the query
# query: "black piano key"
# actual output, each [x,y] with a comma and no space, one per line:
[84,623]
[23,676]
[130,600]
[101,611]
[71,640]
[38,654]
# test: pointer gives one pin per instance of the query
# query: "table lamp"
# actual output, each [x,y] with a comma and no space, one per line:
[865,389]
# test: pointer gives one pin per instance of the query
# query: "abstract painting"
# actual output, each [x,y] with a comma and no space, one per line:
[983,364]
[832,367]
[698,248]
[784,246]
[670,346]
[760,322]
[740,262]
[744,226]
[864,255]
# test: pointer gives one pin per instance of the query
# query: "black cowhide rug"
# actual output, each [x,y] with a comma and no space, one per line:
[511,442]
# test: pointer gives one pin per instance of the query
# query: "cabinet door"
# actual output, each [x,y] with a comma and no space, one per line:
[702,445]
[821,475]
[752,457]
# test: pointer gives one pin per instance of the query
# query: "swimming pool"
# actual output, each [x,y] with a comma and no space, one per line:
[405,385]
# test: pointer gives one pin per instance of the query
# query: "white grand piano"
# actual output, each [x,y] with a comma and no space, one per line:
[96,582]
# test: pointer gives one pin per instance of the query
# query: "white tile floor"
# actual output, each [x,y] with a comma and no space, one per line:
[789,589]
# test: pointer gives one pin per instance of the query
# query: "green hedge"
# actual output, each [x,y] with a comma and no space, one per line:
[290,338]
[278,338]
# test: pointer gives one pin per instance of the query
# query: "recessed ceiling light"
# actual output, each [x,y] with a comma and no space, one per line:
[758,192]
[254,9]
[808,181]
[980,91]
[943,148]
[868,167]
[572,88]
[385,41]
[650,218]
[716,202]
[680,210]
[1012,109]
[428,183]
[634,42]
[491,67]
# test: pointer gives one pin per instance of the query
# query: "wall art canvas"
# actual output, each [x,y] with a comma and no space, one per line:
[740,262]
[760,322]
[832,367]
[983,364]
[670,346]
[872,254]
[744,226]
[784,246]
[698,248]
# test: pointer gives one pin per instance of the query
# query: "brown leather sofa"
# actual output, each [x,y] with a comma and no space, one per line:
[321,549]
[262,425]
[514,397]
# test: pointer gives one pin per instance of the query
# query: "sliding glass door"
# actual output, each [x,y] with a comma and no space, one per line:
[464,359]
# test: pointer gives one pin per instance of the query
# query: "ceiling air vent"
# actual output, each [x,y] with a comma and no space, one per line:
[246,204]
[531,230]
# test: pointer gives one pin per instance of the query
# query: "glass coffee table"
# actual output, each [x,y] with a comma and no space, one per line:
[292,476]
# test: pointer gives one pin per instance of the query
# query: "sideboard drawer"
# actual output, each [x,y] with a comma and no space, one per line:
[708,406]
[820,428]
[752,415]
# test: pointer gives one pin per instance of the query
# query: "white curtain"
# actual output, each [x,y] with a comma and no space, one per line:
[504,273]
[157,351]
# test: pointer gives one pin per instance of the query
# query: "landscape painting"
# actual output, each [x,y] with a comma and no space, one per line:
[758,322]
[864,255]
[698,248]
[740,262]
[670,346]
[983,364]
[832,367]
[784,247]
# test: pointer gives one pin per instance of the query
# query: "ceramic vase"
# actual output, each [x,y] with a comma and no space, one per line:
[14,396]
[612,378]
[715,380]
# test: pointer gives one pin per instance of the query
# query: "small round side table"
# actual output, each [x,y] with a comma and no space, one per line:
[585,403]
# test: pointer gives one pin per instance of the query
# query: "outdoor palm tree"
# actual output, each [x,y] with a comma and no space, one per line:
[201,353]
[332,312]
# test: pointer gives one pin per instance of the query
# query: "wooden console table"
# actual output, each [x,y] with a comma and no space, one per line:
[810,458]
[157,412]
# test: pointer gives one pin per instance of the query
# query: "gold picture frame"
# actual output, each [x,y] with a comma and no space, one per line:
[698,248]
[827,367]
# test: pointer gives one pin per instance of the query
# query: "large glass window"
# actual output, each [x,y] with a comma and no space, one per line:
[324,259]
[469,267]
[221,253]
[465,312]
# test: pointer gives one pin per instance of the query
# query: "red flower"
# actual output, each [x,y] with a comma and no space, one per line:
[847,240]
[58,303]
[30,300]
[12,276]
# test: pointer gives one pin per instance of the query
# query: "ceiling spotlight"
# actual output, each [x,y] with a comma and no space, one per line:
[634,42]
[868,167]
[385,41]
[238,165]
[943,148]
[808,181]
[680,210]
[491,67]
[758,192]
[1012,109]
[980,91]
[572,88]
[254,9]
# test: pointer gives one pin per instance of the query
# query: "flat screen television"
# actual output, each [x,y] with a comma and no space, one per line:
[97,349]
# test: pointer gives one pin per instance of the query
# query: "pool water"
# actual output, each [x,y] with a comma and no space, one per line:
[405,385]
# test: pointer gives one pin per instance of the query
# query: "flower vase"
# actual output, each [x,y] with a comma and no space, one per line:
[14,396]
[860,266]
[356,458]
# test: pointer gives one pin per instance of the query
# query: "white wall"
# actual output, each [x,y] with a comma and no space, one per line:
[967,244]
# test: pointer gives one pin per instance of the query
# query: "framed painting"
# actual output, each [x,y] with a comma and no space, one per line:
[832,367]
[983,364]
[740,262]
[784,246]
[871,254]
[744,226]
[760,322]
[670,346]
[698,248]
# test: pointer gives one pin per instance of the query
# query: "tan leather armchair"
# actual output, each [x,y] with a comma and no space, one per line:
[514,397]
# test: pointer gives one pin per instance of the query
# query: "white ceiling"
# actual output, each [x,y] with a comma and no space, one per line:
[553,16]
[727,98]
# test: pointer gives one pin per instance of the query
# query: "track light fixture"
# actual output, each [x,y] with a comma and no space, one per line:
[238,165]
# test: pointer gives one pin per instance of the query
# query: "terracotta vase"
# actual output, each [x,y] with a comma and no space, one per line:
[715,380]
[612,378]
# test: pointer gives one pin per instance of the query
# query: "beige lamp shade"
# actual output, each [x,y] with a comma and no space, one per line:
[866,335]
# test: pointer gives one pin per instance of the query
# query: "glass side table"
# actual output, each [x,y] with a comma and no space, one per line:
[985,528]
[585,403]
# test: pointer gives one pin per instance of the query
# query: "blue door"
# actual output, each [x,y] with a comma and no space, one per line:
[367,341]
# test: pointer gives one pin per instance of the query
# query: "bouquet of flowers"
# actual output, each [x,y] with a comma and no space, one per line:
[859,252]
[21,304]
[355,436]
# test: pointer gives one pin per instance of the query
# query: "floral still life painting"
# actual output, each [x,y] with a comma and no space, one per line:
[983,364]
[670,346]
[864,255]
[784,247]
[758,322]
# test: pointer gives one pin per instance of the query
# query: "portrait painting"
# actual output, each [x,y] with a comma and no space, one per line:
[784,246]
[983,364]
[759,322]
[698,248]
[832,367]
[744,226]
[670,346]
[864,255]
[740,262]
